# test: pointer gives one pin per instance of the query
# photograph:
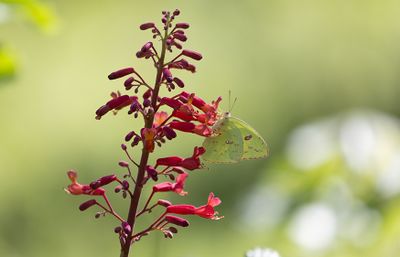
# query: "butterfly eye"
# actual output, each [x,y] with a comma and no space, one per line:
[248,137]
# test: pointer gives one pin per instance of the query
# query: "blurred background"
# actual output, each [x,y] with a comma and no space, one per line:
[318,79]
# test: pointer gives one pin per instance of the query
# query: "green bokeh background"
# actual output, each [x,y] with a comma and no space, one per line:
[288,62]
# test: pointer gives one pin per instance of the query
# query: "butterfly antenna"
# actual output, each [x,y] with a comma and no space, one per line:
[233,105]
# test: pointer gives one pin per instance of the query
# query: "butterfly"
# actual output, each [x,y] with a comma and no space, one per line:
[234,140]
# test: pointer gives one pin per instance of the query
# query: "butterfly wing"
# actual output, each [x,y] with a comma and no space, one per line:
[254,146]
[227,144]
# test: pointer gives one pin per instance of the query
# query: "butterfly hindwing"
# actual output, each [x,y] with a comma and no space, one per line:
[226,146]
[254,146]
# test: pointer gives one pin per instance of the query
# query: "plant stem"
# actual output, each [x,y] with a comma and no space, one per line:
[145,154]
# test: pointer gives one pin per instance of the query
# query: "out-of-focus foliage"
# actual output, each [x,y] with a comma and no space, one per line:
[289,62]
[32,11]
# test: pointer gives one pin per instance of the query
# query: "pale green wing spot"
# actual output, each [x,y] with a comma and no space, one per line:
[254,146]
[227,144]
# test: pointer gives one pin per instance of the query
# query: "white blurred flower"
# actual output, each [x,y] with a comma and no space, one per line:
[262,252]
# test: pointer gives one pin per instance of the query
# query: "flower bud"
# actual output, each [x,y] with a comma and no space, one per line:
[179,82]
[182,25]
[121,73]
[123,147]
[164,203]
[125,184]
[87,204]
[192,54]
[152,172]
[147,94]
[129,136]
[117,189]
[103,181]
[176,12]
[146,47]
[146,102]
[117,229]
[136,140]
[126,227]
[167,75]
[147,25]
[123,164]
[169,132]
[128,82]
[177,221]
[180,37]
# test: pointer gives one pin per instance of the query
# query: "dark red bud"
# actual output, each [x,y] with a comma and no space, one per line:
[147,94]
[136,140]
[152,172]
[179,31]
[147,25]
[179,82]
[117,189]
[169,132]
[180,37]
[177,221]
[123,164]
[103,181]
[126,227]
[146,102]
[87,204]
[182,25]
[117,229]
[125,184]
[123,147]
[167,75]
[129,136]
[164,203]
[128,82]
[146,47]
[192,54]
[121,73]
[176,12]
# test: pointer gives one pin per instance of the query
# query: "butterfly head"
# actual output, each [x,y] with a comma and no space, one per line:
[227,114]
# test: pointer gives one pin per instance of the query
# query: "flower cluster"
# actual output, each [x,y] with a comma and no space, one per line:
[164,118]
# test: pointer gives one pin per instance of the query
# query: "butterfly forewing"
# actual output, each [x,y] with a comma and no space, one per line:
[254,146]
[226,146]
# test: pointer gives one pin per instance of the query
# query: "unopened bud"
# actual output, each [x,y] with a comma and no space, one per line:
[179,82]
[129,136]
[147,25]
[164,203]
[123,164]
[167,75]
[87,204]
[182,25]
[121,73]
[192,54]
[117,229]
[123,147]
[177,221]
[126,227]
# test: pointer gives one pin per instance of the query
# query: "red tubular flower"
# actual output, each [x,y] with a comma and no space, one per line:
[169,161]
[200,129]
[206,211]
[190,163]
[193,162]
[78,189]
[175,187]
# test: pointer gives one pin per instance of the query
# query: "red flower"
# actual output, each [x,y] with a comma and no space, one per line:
[190,163]
[78,189]
[199,129]
[175,187]
[206,211]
